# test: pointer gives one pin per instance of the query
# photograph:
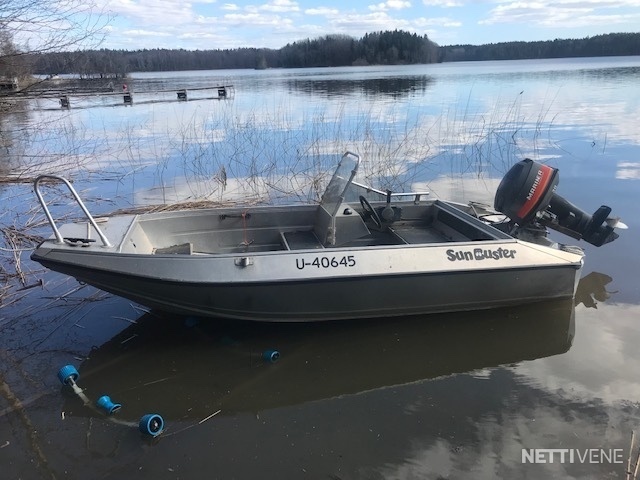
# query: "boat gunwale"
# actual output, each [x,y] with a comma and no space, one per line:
[214,281]
[114,251]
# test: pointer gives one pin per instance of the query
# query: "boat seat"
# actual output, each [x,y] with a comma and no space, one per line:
[344,226]
[300,240]
[181,249]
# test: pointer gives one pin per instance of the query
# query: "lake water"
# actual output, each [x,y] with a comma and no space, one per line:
[444,396]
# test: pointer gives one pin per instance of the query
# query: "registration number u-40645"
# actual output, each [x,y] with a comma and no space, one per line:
[326,262]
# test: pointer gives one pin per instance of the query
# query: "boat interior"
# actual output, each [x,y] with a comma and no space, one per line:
[333,223]
[262,230]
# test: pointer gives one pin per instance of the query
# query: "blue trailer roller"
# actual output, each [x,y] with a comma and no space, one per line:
[151,424]
[271,356]
[68,375]
[105,403]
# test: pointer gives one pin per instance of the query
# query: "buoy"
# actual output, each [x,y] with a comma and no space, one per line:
[151,424]
[270,356]
[105,403]
[68,375]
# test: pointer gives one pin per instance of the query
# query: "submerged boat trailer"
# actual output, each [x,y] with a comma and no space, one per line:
[150,424]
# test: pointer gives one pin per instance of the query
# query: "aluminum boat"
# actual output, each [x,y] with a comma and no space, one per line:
[349,256]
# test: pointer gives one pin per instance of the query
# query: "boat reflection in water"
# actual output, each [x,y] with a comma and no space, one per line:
[185,371]
[593,289]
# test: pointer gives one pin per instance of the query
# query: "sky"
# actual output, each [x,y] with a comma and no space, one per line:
[218,24]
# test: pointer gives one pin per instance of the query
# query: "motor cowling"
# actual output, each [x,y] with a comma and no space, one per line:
[527,194]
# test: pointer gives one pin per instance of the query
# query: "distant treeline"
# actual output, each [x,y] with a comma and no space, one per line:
[599,46]
[380,48]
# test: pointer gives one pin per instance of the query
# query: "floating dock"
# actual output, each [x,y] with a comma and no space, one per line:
[74,97]
[222,92]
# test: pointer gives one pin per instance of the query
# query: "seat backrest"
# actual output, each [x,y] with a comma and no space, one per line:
[324,226]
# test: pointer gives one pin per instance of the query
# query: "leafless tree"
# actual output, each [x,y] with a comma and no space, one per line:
[29,27]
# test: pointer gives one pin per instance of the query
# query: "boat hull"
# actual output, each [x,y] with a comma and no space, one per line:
[256,291]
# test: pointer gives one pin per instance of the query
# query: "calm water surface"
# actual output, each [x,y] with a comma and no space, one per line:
[444,396]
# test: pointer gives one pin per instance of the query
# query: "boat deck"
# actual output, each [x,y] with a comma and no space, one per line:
[194,234]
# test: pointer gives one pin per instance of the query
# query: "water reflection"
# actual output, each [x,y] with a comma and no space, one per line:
[455,396]
[187,372]
[393,87]
[14,133]
[620,75]
[592,289]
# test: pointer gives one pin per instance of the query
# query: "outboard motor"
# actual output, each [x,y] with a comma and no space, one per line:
[527,195]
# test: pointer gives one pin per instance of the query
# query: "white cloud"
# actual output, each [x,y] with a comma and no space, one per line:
[322,11]
[613,378]
[563,13]
[628,171]
[437,22]
[280,6]
[442,3]
[230,7]
[146,33]
[398,4]
[369,22]
[153,12]
[198,35]
[252,19]
[569,20]
[390,5]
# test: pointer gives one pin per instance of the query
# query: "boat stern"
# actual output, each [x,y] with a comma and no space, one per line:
[83,236]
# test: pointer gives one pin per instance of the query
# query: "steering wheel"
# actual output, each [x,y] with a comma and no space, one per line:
[366,206]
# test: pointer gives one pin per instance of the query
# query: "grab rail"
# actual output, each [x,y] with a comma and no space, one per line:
[56,232]
[416,195]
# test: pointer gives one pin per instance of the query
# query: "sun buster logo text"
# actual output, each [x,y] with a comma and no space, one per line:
[480,254]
